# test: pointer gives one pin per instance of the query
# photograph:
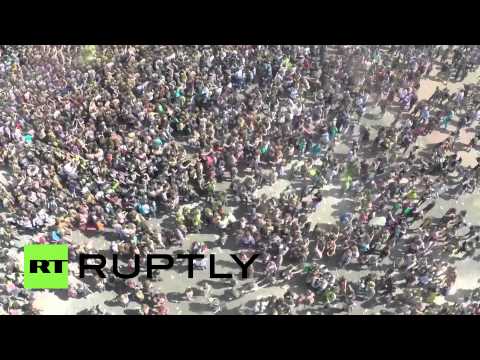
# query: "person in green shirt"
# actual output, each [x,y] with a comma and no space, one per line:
[316,150]
[346,182]
[208,212]
[210,188]
[197,219]
[412,195]
[115,185]
[333,134]
[329,296]
[447,118]
[302,144]
[264,149]
[179,217]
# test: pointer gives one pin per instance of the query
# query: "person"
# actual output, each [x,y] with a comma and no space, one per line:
[447,118]
[207,289]
[189,294]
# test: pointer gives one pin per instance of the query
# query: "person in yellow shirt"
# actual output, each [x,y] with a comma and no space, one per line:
[56,182]
[90,199]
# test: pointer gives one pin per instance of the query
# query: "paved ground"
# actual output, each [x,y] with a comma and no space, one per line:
[177,281]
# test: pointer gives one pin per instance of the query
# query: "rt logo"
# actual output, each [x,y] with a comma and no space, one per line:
[45,267]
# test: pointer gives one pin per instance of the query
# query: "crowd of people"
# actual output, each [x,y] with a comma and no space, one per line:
[103,139]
